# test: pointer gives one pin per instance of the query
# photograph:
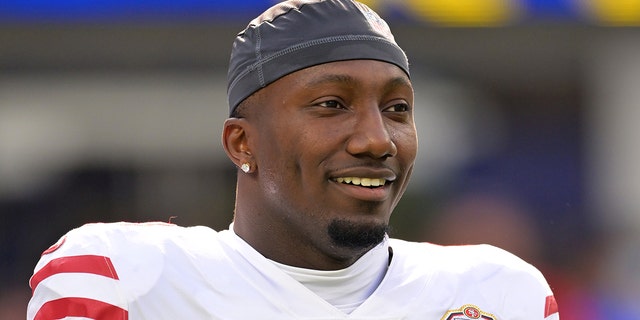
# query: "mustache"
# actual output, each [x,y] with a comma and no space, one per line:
[362,163]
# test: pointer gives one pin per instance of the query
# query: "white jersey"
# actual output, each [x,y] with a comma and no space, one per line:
[156,271]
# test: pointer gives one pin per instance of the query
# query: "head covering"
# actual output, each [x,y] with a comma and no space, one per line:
[298,34]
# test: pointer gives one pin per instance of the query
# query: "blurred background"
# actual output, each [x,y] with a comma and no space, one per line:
[527,115]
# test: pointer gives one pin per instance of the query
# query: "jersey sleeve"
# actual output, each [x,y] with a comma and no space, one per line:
[535,292]
[529,296]
[76,277]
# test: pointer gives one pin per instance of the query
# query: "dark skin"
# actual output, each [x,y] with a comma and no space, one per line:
[309,137]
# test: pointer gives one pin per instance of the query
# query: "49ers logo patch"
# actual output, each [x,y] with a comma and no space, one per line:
[467,312]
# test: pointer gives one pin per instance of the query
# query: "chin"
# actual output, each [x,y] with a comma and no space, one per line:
[356,235]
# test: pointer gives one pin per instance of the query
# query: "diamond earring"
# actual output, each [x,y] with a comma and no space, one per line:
[245,167]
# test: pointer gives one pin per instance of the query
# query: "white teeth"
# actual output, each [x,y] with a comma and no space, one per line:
[365,182]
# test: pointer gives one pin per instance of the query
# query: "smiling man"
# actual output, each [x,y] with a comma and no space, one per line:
[321,128]
[330,149]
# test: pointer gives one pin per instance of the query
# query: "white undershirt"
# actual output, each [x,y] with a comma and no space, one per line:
[348,288]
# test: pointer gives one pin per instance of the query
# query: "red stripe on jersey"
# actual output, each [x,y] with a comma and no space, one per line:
[551,306]
[99,265]
[80,307]
[55,246]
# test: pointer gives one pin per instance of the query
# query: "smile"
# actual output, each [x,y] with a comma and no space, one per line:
[364,182]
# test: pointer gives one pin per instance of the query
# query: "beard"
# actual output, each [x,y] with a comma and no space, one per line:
[352,235]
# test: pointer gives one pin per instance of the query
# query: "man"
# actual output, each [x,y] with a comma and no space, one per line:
[322,130]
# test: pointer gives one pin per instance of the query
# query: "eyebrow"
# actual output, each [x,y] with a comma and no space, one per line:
[349,80]
[331,78]
[398,82]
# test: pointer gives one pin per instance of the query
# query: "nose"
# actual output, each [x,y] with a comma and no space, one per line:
[370,137]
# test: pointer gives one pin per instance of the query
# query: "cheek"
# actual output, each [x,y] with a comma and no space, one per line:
[407,143]
[280,157]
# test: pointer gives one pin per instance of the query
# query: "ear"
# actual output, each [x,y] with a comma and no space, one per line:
[235,140]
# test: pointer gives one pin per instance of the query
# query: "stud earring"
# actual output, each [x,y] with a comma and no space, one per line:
[245,167]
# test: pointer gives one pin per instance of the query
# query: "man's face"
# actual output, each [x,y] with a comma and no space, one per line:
[334,146]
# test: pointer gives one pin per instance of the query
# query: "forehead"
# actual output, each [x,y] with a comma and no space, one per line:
[350,73]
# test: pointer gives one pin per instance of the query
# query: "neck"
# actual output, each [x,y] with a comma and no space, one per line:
[348,288]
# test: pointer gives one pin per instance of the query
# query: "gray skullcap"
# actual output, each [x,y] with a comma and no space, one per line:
[298,34]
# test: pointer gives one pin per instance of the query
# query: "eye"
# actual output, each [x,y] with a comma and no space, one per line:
[332,104]
[398,107]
